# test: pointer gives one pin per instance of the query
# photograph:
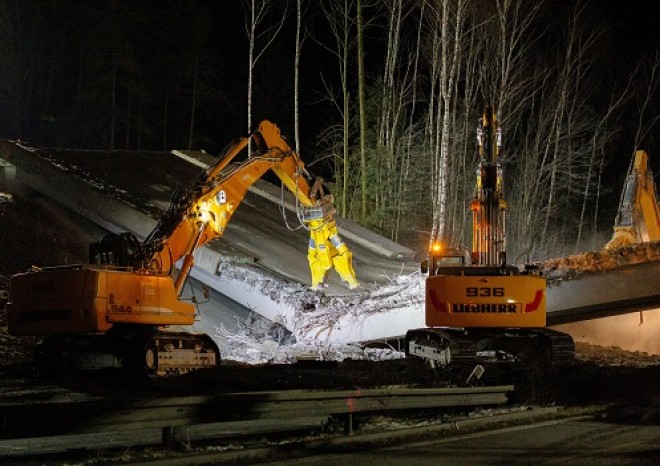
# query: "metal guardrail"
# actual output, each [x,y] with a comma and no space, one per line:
[57,427]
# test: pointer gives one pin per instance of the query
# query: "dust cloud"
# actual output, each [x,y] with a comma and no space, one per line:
[631,332]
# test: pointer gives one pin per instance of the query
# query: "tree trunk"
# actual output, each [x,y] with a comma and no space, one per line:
[251,62]
[296,78]
[193,103]
[363,112]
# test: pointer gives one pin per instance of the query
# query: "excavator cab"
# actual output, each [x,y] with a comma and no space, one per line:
[440,258]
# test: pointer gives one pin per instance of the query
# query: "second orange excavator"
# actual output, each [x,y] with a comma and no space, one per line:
[122,303]
[478,308]
[638,218]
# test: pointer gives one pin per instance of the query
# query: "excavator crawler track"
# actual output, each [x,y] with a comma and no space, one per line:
[154,354]
[561,344]
[453,347]
[163,354]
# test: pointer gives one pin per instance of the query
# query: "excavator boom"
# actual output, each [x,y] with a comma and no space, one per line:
[203,212]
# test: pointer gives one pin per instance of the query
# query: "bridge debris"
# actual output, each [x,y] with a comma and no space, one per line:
[572,267]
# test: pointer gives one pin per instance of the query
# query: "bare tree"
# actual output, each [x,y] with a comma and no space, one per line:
[340,21]
[462,57]
[602,136]
[259,40]
[449,24]
[363,111]
[568,121]
[389,112]
[404,175]
[547,121]
[651,81]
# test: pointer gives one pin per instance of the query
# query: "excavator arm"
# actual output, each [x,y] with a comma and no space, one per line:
[202,213]
[488,206]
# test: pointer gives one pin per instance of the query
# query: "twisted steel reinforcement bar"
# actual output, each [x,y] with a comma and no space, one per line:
[100,424]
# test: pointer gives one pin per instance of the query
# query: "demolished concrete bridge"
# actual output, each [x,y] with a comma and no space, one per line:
[260,265]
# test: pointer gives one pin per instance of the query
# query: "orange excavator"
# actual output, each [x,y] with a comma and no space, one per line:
[638,218]
[122,303]
[479,309]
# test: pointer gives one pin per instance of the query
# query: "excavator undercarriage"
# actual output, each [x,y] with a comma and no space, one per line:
[151,352]
[472,346]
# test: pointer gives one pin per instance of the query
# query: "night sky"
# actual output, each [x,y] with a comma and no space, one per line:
[63,54]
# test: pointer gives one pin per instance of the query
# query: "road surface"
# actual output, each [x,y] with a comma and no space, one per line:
[568,442]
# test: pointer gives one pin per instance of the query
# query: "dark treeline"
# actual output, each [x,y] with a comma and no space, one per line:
[115,74]
[575,85]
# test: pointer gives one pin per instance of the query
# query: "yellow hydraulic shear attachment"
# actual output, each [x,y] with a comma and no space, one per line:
[326,249]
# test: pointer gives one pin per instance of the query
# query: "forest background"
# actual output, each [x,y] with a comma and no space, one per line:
[381,97]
